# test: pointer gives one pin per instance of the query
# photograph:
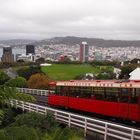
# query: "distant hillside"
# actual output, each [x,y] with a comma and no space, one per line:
[16,42]
[71,40]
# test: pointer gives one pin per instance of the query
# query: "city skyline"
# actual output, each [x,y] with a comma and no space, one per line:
[40,19]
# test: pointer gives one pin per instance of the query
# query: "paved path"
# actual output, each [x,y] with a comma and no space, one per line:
[10,73]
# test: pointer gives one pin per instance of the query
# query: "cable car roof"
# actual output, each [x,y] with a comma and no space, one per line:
[100,83]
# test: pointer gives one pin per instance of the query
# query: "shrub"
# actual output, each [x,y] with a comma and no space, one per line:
[17,82]
[3,78]
[19,133]
[38,81]
[35,120]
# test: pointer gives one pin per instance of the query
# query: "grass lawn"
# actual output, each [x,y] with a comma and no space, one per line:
[68,71]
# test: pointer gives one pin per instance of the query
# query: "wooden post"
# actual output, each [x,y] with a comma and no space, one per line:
[132,135]
[105,135]
[69,123]
[85,131]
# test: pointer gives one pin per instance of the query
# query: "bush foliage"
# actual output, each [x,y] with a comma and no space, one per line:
[26,72]
[17,82]
[3,78]
[33,126]
[38,81]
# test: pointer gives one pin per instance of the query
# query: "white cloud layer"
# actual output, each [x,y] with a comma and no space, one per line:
[38,19]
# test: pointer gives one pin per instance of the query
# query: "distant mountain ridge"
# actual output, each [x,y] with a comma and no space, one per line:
[16,42]
[72,40]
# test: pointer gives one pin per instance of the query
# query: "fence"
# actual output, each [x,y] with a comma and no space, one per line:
[87,124]
[34,91]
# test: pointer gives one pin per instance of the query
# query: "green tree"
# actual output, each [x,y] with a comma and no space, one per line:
[3,78]
[1,116]
[7,93]
[135,61]
[106,74]
[9,115]
[2,135]
[126,69]
[36,120]
[104,63]
[58,133]
[17,82]
[39,60]
[19,133]
[27,72]
[79,77]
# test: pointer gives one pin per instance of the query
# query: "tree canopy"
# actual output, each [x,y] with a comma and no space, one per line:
[38,81]
[17,82]
[8,93]
[126,69]
[34,126]
[3,78]
[26,72]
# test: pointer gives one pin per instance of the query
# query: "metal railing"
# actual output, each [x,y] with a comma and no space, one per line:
[87,124]
[34,91]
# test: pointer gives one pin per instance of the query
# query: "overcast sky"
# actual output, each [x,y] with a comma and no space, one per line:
[40,19]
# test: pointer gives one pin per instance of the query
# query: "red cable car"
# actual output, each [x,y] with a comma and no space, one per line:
[120,99]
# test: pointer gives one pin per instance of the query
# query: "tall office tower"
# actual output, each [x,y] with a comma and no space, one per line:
[30,49]
[84,52]
[7,56]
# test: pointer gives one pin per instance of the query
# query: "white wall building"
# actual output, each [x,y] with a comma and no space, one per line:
[26,58]
[135,74]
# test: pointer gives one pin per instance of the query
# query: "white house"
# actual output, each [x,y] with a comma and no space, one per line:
[135,74]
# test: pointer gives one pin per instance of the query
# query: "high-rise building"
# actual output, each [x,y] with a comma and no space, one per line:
[84,52]
[7,56]
[30,49]
[7,50]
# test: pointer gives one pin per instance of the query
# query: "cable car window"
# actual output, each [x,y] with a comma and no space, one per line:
[81,92]
[135,95]
[98,93]
[74,91]
[85,92]
[112,94]
[61,90]
[124,95]
[58,90]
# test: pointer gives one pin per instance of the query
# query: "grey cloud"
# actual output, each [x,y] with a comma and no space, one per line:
[112,19]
